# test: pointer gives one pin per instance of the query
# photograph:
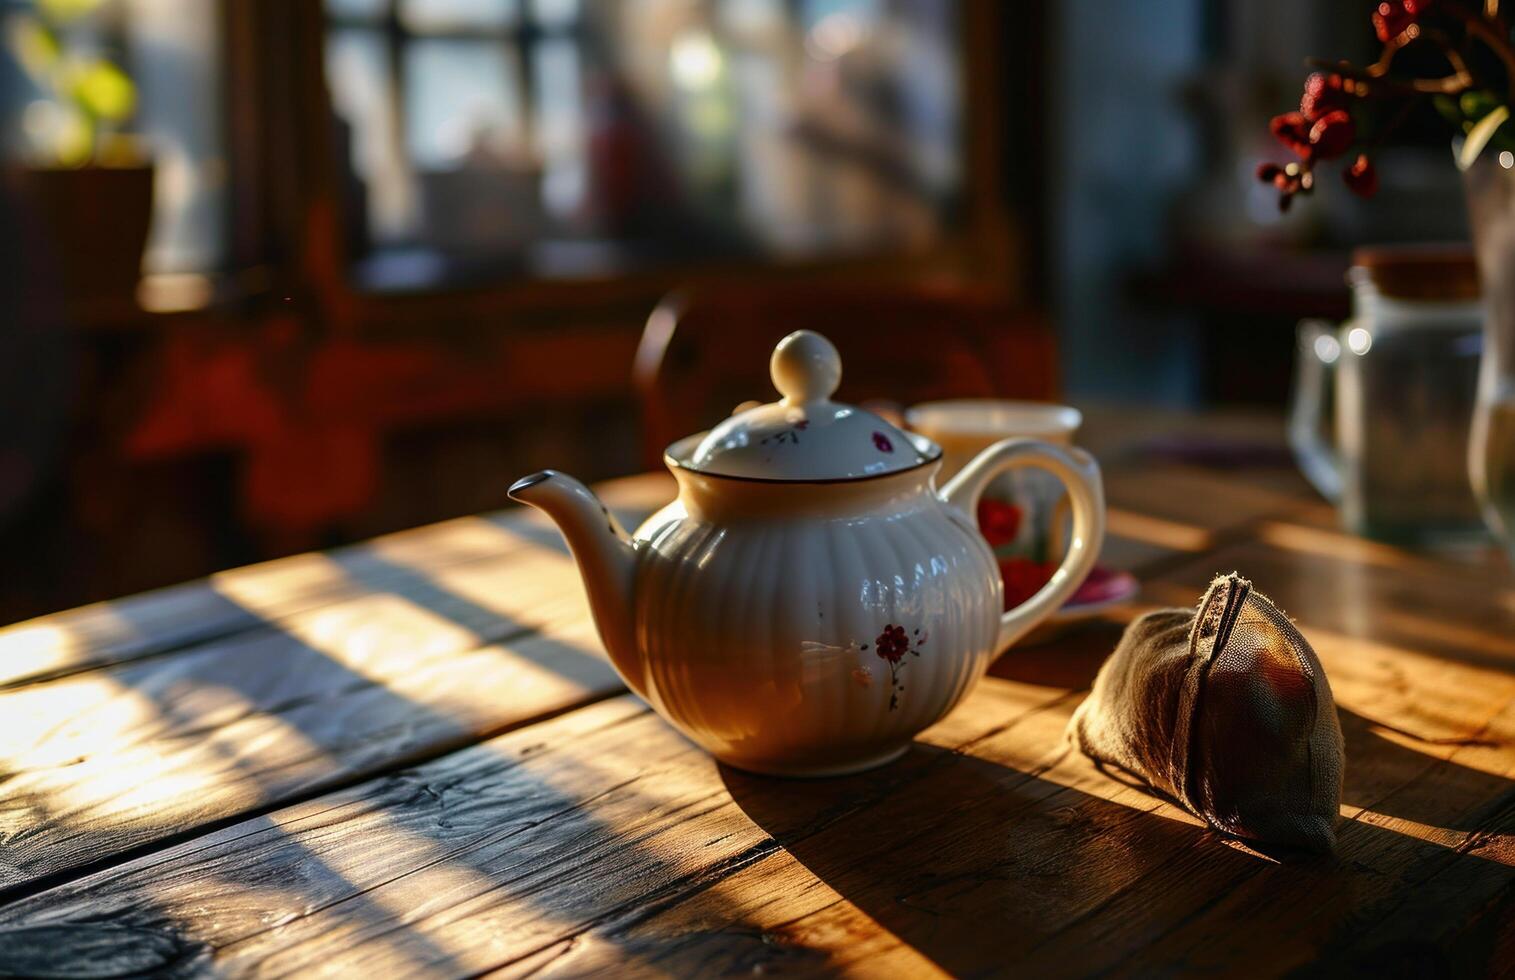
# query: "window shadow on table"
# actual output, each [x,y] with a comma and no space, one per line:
[981,866]
[491,828]
[114,926]
[978,864]
[1392,778]
[1070,663]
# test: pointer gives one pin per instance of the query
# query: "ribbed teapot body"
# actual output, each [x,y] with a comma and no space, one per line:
[812,628]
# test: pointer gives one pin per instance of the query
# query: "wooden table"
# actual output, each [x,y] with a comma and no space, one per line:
[408,758]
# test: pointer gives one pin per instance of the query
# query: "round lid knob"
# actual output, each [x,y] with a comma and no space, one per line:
[805,367]
[804,435]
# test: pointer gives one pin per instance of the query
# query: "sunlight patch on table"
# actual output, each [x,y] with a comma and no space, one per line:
[275,590]
[1157,530]
[66,721]
[82,770]
[27,650]
[369,635]
[1424,704]
[1444,631]
[1326,543]
[1496,847]
[457,876]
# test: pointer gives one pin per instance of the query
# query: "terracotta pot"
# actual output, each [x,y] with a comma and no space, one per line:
[94,221]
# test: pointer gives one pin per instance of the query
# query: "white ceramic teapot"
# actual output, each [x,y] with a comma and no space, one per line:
[810,601]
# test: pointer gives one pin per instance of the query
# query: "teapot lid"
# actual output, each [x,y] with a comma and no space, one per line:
[805,435]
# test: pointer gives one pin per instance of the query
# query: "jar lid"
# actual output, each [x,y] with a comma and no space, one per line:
[805,435]
[1429,273]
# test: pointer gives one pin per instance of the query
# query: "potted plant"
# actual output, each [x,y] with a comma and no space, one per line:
[90,182]
[1347,110]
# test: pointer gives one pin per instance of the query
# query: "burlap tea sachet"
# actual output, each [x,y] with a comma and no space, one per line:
[1227,710]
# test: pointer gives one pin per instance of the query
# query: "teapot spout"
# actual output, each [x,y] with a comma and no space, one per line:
[607,562]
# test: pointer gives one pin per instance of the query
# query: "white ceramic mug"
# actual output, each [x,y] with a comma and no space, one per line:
[965,427]
[1036,500]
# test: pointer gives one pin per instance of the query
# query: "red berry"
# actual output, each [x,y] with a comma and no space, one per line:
[1392,18]
[1332,134]
[1023,578]
[1361,177]
[1323,94]
[1293,131]
[998,522]
[1267,173]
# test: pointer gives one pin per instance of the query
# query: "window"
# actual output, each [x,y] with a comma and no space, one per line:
[168,50]
[584,137]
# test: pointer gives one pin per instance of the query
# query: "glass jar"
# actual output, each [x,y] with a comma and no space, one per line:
[1405,370]
[1490,187]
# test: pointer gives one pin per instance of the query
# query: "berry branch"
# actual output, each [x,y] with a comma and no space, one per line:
[1326,127]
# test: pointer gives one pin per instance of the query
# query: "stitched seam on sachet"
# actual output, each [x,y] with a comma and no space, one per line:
[1236,590]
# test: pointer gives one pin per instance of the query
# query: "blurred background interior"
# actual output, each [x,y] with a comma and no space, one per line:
[283,274]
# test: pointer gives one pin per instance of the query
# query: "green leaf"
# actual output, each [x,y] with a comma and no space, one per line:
[66,10]
[36,48]
[1477,104]
[103,90]
[1479,136]
[73,139]
[1447,106]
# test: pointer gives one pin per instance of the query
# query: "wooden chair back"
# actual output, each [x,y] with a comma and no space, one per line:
[704,352]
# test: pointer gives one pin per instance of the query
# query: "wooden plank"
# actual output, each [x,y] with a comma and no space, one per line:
[1068,872]
[601,840]
[412,664]
[1057,863]
[1428,852]
[1195,498]
[961,873]
[231,602]
[481,858]
[1420,658]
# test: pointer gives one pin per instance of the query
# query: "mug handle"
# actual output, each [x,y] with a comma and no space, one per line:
[1311,404]
[1079,472]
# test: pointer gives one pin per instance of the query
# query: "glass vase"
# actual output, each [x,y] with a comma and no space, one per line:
[1490,188]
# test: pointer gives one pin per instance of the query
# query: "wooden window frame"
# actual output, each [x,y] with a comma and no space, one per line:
[286,185]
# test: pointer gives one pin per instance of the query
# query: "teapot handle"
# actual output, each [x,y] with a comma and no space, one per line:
[1079,472]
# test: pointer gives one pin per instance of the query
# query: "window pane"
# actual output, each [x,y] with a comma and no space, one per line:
[463,101]
[457,15]
[560,125]
[555,13]
[172,50]
[358,9]
[632,131]
[357,67]
[479,181]
[754,21]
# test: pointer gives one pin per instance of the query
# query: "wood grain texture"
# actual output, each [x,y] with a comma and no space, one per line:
[602,841]
[231,602]
[1023,859]
[435,776]
[394,663]
[484,857]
